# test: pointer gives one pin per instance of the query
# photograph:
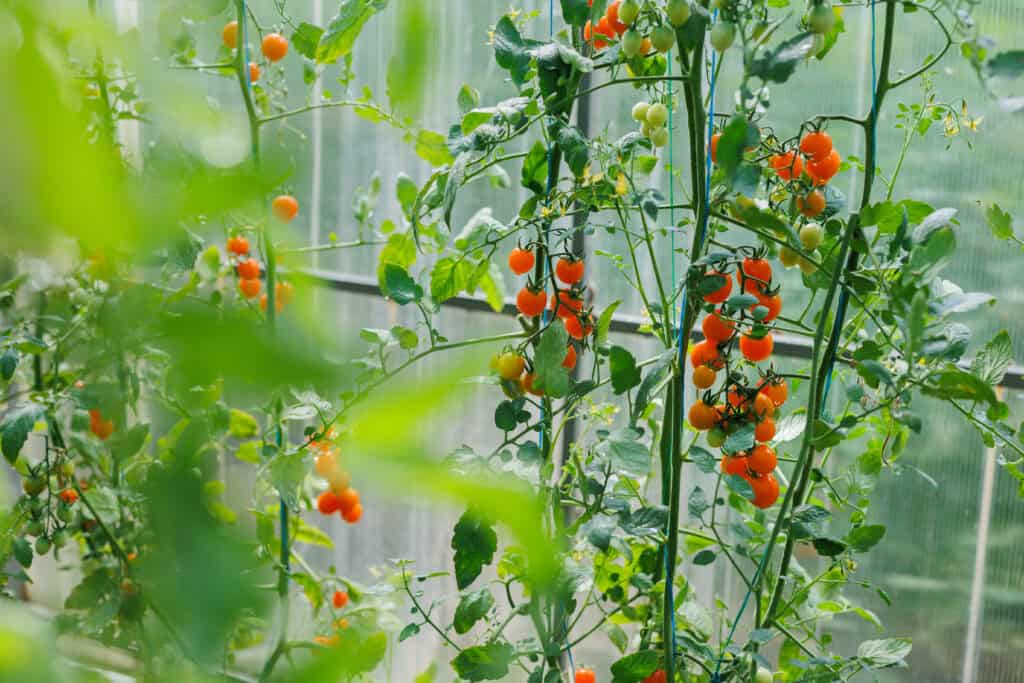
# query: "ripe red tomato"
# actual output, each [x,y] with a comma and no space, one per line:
[766,490]
[69,496]
[249,269]
[576,329]
[706,353]
[756,350]
[585,675]
[772,303]
[757,274]
[275,47]
[239,246]
[569,271]
[328,503]
[570,358]
[762,459]
[734,464]
[340,599]
[765,430]
[720,294]
[520,261]
[285,207]
[822,170]
[716,328]
[816,144]
[565,306]
[788,165]
[531,302]
[763,406]
[714,147]
[249,287]
[353,514]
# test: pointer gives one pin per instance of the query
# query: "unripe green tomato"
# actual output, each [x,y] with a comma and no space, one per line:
[811,236]
[33,486]
[35,528]
[659,137]
[807,267]
[657,115]
[646,129]
[821,19]
[723,34]
[65,514]
[42,545]
[678,12]
[716,437]
[67,469]
[788,257]
[759,29]
[663,38]
[640,110]
[629,11]
[60,539]
[763,675]
[632,41]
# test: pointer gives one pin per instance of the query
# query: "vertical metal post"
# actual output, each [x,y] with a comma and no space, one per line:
[976,606]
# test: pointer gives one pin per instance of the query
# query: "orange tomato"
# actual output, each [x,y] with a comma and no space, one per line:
[576,328]
[766,490]
[706,353]
[285,207]
[249,287]
[816,144]
[772,303]
[353,514]
[340,599]
[275,47]
[812,205]
[763,406]
[720,294]
[254,72]
[762,459]
[249,269]
[570,358]
[531,302]
[704,377]
[788,165]
[756,350]
[777,391]
[716,328]
[702,416]
[230,34]
[328,503]
[520,261]
[734,464]
[765,430]
[714,147]
[822,171]
[569,271]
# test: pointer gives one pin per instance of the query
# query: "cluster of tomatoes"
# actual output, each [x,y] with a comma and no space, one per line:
[274,47]
[340,496]
[101,428]
[339,600]
[620,23]
[811,166]
[652,119]
[748,330]
[285,208]
[585,675]
[567,306]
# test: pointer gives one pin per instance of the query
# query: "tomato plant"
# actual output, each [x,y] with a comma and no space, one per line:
[185,333]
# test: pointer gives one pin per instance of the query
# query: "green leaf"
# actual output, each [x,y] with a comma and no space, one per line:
[740,440]
[698,502]
[992,362]
[623,368]
[740,486]
[636,667]
[737,136]
[864,538]
[604,323]
[808,521]
[407,339]
[311,535]
[242,425]
[704,557]
[954,383]
[873,372]
[250,452]
[574,148]
[306,39]
[828,547]
[8,363]
[22,550]
[779,64]
[598,531]
[406,193]
[511,51]
[505,416]
[408,632]
[343,30]
[1000,222]
[534,175]
[1008,64]
[456,175]
[400,286]
[551,376]
[449,277]
[287,473]
[432,147]
[472,608]
[879,654]
[628,455]
[125,444]
[703,459]
[15,428]
[484,662]
[474,543]
[491,281]
[575,12]
[400,251]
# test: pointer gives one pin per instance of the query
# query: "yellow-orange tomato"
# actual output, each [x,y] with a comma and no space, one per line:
[704,377]
[275,47]
[326,464]
[777,391]
[285,207]
[230,34]
[763,406]
[702,416]
[812,205]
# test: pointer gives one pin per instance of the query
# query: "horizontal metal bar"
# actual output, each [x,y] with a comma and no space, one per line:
[786,345]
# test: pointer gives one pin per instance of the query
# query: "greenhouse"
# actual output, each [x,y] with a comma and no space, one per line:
[553,341]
